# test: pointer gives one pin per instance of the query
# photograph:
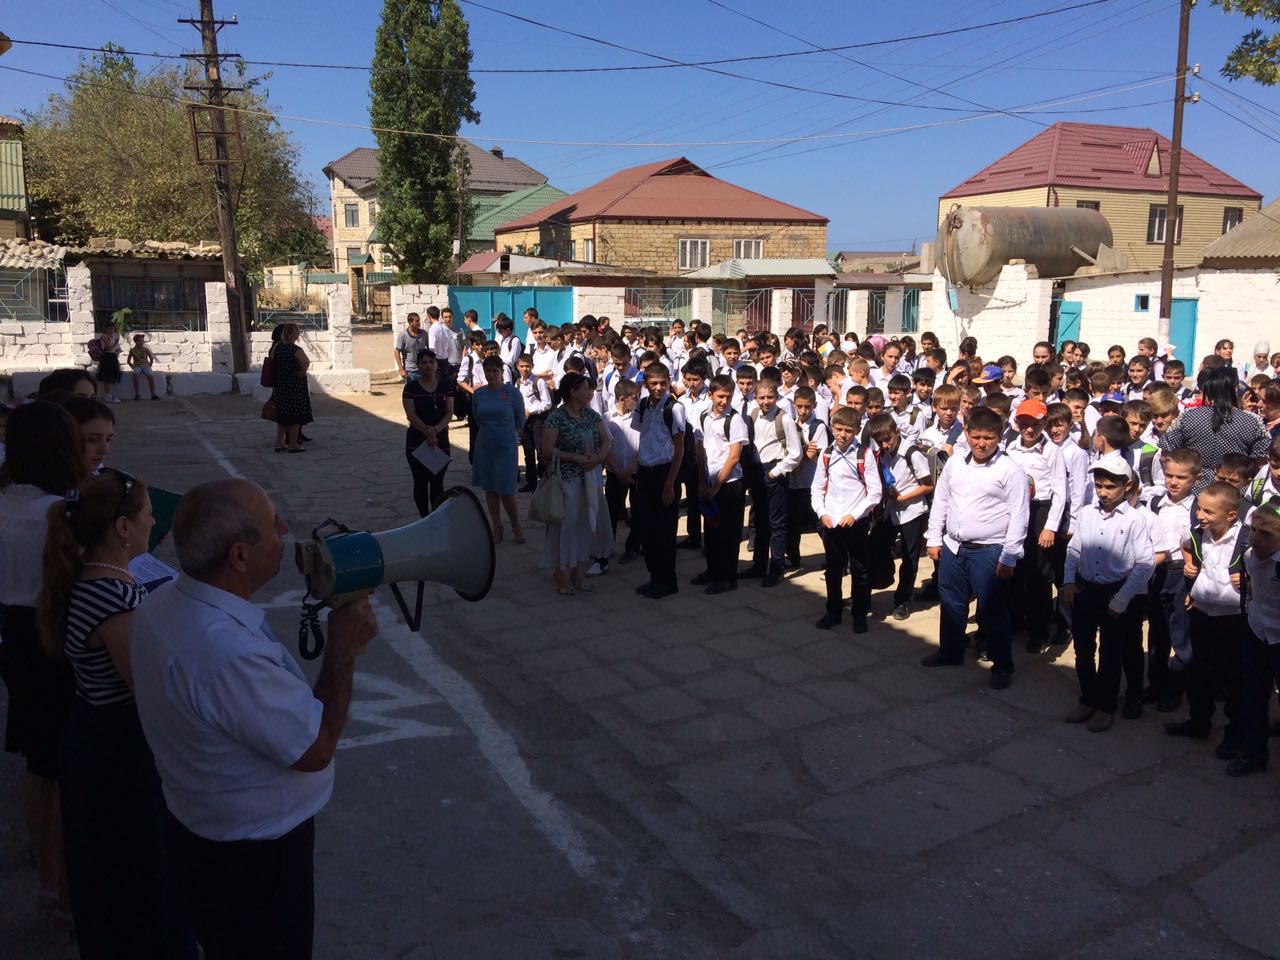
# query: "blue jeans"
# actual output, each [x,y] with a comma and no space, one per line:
[969,572]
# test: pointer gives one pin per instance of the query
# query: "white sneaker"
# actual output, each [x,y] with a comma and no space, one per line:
[595,570]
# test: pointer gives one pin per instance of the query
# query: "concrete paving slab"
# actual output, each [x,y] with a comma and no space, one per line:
[785,709]
[1238,894]
[849,754]
[745,784]
[1150,939]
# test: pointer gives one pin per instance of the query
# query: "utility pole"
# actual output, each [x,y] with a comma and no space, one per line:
[1171,219]
[214,147]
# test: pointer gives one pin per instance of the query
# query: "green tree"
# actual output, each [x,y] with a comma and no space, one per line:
[102,162]
[1257,55]
[422,180]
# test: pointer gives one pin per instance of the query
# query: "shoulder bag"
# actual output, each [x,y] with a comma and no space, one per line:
[268,378]
[547,503]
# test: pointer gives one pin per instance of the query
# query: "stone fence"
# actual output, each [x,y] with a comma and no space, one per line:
[187,361]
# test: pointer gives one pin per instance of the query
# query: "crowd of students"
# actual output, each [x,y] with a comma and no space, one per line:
[1128,508]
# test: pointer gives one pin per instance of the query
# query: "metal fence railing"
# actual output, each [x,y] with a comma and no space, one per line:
[291,299]
[37,295]
[658,306]
[173,303]
[734,310]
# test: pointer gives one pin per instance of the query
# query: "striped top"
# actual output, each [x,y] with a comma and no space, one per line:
[92,602]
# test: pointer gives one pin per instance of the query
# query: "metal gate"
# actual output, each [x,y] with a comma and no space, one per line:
[875,311]
[732,310]
[802,307]
[291,299]
[837,311]
[910,309]
[658,306]
[33,296]
[554,305]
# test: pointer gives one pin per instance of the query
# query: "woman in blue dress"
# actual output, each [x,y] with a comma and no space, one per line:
[498,408]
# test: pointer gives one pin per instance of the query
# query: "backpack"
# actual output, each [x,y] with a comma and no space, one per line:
[702,422]
[1146,459]
[1256,493]
[669,418]
[94,347]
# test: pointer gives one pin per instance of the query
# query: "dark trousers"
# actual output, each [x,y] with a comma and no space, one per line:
[247,899]
[770,519]
[799,518]
[687,492]
[724,539]
[1158,609]
[1032,608]
[615,495]
[1116,641]
[657,522]
[846,549]
[531,443]
[971,572]
[428,487]
[1216,658]
[1261,669]
[912,533]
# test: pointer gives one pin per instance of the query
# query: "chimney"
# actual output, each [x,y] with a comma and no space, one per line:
[496,151]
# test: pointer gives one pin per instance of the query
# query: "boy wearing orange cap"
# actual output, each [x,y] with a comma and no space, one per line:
[1041,461]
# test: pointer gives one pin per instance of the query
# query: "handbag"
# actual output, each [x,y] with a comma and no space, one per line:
[547,503]
[269,411]
[268,378]
[94,349]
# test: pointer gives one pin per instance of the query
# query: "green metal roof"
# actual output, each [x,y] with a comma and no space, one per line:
[359,260]
[13,184]
[327,278]
[491,212]
[373,235]
[380,276]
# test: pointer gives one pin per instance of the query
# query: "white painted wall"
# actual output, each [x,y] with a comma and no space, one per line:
[1008,316]
[600,302]
[1239,305]
[47,346]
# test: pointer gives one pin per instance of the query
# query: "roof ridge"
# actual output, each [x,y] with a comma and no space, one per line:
[643,180]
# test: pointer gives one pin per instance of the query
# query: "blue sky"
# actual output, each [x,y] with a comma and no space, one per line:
[879,189]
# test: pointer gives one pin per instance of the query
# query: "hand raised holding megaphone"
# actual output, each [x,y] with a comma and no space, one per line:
[352,627]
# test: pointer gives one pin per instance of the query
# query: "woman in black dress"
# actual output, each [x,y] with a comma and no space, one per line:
[428,406]
[291,394]
[1218,426]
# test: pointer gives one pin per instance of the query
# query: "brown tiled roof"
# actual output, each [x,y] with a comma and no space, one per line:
[489,172]
[1100,156]
[1257,237]
[668,190]
[9,121]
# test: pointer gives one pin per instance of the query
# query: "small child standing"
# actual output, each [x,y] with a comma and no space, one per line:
[846,487]
[141,362]
[908,504]
[1261,665]
[778,446]
[1109,561]
[620,465]
[719,437]
[1213,559]
[537,404]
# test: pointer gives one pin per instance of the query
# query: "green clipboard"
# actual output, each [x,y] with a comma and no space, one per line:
[164,505]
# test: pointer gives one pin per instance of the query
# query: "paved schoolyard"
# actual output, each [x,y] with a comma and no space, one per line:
[606,776]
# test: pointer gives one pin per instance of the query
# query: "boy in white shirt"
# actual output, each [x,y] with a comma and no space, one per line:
[1168,629]
[1264,489]
[1261,666]
[815,436]
[1213,559]
[899,395]
[908,504]
[537,404]
[1075,463]
[719,436]
[846,487]
[778,447]
[1109,561]
[620,465]
[695,400]
[977,527]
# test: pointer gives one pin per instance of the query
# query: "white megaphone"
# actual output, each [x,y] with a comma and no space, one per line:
[451,545]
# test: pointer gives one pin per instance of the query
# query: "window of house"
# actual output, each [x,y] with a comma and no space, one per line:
[351,214]
[373,212]
[1231,217]
[549,250]
[1088,205]
[748,249]
[588,251]
[573,249]
[352,253]
[1141,302]
[1156,221]
[694,254]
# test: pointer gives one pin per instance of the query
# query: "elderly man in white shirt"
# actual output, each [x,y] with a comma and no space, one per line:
[976,531]
[243,745]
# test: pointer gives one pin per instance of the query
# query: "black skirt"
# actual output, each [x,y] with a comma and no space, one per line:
[109,368]
[40,691]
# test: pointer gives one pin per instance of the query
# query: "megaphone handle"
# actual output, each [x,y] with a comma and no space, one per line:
[310,636]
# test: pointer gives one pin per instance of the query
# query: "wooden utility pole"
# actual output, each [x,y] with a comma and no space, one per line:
[1171,219]
[214,138]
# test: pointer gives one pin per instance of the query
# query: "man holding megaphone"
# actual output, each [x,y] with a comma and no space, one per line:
[243,745]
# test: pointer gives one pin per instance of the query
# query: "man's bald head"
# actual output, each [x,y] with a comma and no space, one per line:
[212,518]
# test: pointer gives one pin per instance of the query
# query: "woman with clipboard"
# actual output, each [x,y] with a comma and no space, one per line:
[428,406]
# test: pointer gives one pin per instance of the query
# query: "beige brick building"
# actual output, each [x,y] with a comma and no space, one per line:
[665,218]
[1122,172]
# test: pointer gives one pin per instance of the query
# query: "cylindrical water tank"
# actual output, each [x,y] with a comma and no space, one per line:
[974,243]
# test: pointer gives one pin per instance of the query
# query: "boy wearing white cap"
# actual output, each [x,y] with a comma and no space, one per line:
[1110,559]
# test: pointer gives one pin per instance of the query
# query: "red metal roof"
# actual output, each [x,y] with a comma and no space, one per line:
[668,190]
[1101,156]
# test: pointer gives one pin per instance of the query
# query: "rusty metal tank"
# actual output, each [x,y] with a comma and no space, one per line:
[974,243]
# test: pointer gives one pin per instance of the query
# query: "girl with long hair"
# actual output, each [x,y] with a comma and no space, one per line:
[1218,426]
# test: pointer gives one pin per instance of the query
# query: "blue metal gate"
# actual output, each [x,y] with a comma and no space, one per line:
[554,304]
[1068,325]
[1182,328]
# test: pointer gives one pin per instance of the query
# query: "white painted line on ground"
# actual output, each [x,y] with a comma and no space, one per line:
[494,743]
[218,456]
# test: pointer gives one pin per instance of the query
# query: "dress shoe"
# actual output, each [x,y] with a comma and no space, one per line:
[860,625]
[1037,645]
[1132,708]
[938,659]
[1229,748]
[773,577]
[1101,722]
[1001,679]
[1188,728]
[721,586]
[628,557]
[902,611]
[644,588]
[753,572]
[828,621]
[1243,766]
[689,543]
[792,563]
[1060,637]
[1079,713]
[701,580]
[657,592]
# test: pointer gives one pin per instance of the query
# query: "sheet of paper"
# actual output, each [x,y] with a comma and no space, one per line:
[150,571]
[433,458]
[164,505]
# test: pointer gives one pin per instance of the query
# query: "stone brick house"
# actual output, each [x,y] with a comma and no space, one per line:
[1123,173]
[665,218]
[353,198]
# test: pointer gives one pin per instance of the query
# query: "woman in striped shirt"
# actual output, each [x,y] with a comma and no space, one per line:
[112,808]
